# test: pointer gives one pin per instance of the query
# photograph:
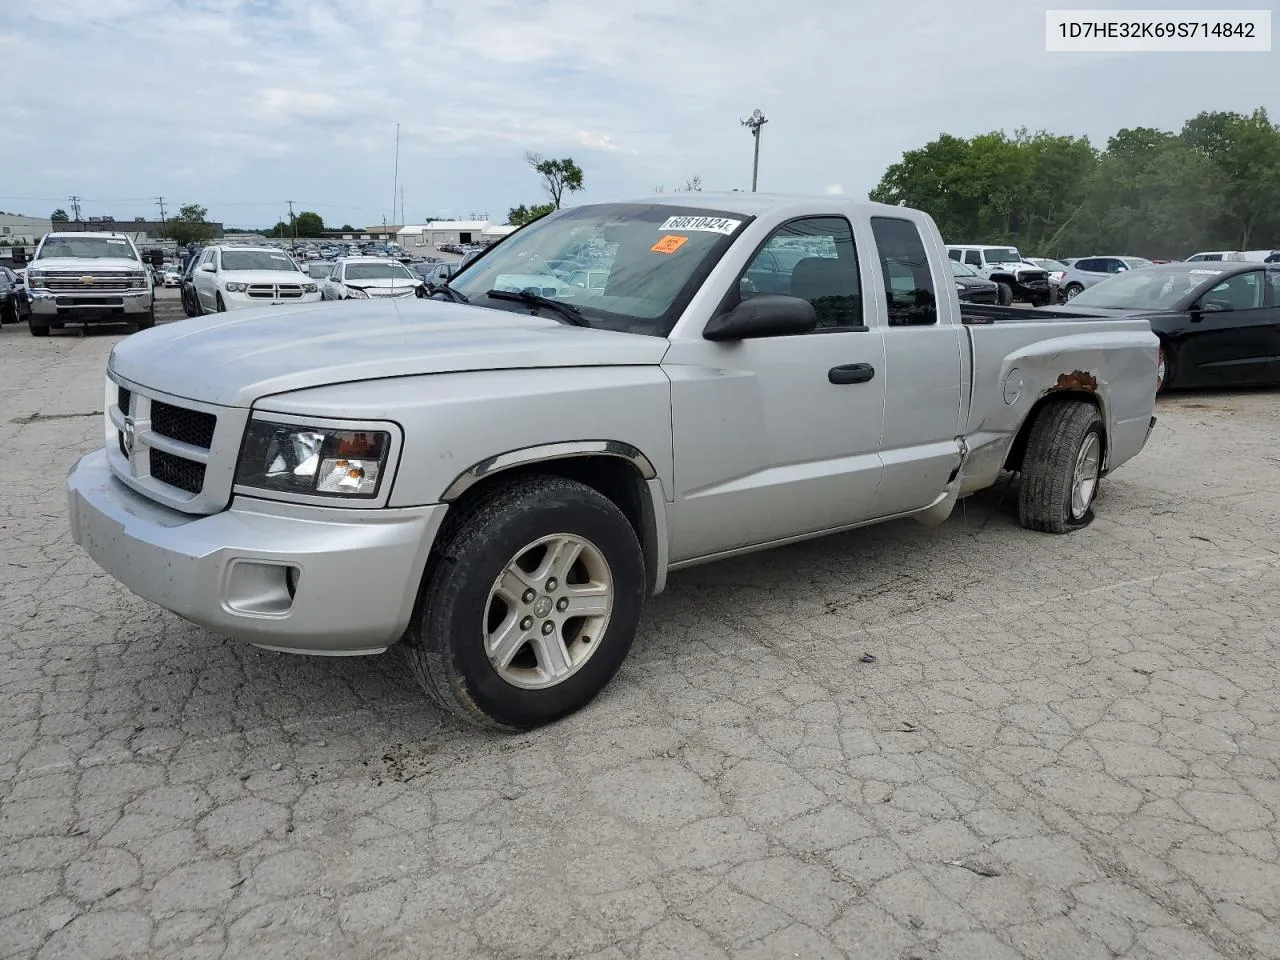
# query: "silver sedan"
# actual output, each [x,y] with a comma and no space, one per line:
[1087,271]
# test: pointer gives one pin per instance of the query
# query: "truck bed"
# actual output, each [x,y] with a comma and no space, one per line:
[979,314]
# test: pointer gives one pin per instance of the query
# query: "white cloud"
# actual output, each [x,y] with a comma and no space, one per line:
[299,98]
[834,190]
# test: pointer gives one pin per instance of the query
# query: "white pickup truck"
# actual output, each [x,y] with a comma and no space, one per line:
[495,476]
[89,278]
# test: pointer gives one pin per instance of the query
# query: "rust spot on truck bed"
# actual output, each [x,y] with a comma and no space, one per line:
[1076,380]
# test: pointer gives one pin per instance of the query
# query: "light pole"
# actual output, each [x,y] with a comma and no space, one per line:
[754,123]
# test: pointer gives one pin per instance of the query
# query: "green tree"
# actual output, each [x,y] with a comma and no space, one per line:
[347,228]
[558,176]
[1246,152]
[190,226]
[59,216]
[519,216]
[309,224]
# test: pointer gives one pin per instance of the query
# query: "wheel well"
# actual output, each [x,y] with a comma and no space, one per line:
[1013,461]
[614,477]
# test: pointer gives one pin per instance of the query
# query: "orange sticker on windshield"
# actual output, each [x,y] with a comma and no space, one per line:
[669,244]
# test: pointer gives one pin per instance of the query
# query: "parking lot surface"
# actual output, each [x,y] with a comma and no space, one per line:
[1064,747]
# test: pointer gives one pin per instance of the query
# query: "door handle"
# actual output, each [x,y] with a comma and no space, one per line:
[851,373]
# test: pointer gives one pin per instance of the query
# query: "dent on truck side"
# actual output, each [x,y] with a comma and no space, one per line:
[1108,363]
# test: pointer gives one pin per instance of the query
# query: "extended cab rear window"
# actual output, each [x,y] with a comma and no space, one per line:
[910,297]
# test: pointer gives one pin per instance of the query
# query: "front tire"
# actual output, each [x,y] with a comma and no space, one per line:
[39,328]
[1164,371]
[149,320]
[1061,468]
[222,307]
[1004,294]
[530,605]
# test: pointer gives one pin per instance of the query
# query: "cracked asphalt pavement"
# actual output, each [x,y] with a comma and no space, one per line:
[1065,747]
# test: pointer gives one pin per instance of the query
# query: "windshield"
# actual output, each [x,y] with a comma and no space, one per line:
[1003,255]
[377,271]
[256,260]
[87,248]
[961,270]
[318,270]
[629,266]
[1153,289]
[1050,265]
[1134,263]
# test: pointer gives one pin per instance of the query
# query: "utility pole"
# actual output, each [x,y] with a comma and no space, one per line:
[293,223]
[395,183]
[164,223]
[754,123]
[75,207]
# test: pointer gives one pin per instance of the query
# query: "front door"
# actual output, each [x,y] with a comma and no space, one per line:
[1235,339]
[779,436]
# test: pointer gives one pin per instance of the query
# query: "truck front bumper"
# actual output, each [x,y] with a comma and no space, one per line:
[75,307]
[281,576]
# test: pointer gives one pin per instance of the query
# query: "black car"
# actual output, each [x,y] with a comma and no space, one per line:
[14,304]
[971,288]
[190,302]
[1218,323]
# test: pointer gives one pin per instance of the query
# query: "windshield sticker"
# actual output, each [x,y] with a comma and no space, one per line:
[1207,273]
[118,242]
[669,244]
[702,224]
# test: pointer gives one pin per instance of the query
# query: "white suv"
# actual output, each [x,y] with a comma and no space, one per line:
[230,278]
[1015,277]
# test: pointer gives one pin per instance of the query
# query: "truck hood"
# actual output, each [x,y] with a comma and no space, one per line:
[91,263]
[237,358]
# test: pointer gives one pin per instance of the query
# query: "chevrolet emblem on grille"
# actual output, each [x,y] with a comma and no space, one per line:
[86,280]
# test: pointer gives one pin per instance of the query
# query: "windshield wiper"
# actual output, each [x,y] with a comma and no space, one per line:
[452,294]
[570,313]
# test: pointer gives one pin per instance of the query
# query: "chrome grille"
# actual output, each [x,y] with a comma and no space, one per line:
[90,281]
[177,452]
[274,291]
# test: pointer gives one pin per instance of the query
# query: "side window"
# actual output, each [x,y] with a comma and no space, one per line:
[814,259]
[973,258]
[908,282]
[954,255]
[335,274]
[1244,291]
[1088,265]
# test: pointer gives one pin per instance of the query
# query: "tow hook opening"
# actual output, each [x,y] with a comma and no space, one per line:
[261,588]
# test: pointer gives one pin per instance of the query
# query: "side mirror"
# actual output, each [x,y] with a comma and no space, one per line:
[19,255]
[208,268]
[765,315]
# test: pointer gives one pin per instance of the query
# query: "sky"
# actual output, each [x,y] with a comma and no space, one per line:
[242,105]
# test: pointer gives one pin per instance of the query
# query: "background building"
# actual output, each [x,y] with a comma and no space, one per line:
[19,231]
[451,231]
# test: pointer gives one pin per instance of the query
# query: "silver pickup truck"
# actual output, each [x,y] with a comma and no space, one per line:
[89,278]
[495,476]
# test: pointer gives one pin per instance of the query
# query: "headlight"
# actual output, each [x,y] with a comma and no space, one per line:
[309,288]
[234,287]
[356,293]
[312,460]
[35,279]
[959,285]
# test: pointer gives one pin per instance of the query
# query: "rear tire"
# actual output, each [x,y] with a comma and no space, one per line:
[1004,294]
[1061,468]
[1074,290]
[484,657]
[9,313]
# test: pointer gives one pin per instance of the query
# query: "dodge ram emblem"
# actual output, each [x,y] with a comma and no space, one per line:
[128,436]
